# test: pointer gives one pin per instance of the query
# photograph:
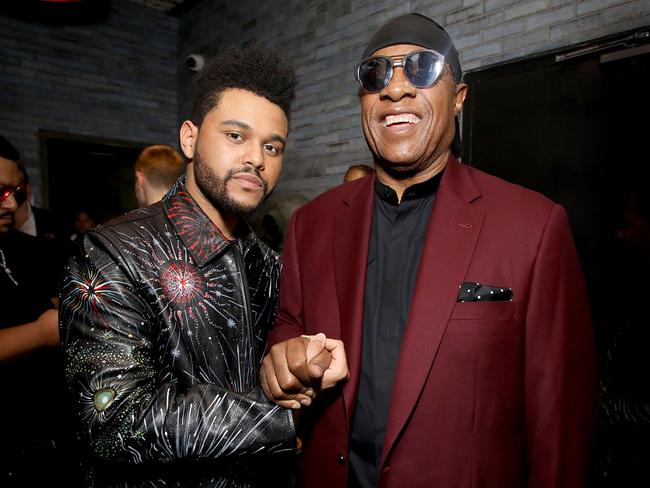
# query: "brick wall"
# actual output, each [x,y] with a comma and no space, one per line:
[125,79]
[115,80]
[325,38]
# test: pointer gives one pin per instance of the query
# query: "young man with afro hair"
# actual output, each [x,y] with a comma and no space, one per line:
[165,311]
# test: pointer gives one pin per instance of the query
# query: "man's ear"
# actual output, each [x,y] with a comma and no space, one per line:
[188,137]
[459,97]
[139,178]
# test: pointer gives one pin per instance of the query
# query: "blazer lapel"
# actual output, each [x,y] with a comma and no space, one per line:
[351,238]
[449,245]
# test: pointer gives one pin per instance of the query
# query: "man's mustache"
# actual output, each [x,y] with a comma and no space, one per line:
[254,171]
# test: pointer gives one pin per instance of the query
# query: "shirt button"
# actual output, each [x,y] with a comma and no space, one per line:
[341,459]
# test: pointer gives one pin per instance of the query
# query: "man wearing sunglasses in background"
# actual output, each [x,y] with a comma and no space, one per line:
[36,221]
[458,297]
[31,372]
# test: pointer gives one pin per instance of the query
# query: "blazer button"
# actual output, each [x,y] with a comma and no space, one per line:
[341,459]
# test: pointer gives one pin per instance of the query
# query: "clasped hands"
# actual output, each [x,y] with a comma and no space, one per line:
[296,370]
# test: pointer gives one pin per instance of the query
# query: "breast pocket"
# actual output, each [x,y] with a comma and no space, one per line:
[485,331]
[484,310]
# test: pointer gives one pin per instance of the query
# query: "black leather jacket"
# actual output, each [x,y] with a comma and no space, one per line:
[164,324]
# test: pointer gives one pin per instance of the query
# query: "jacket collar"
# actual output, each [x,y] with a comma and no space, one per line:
[201,237]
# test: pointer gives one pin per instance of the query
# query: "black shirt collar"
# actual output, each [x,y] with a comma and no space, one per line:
[426,189]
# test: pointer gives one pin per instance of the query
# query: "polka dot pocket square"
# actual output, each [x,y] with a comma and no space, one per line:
[471,291]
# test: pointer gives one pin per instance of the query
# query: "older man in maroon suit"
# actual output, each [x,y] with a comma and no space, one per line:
[458,298]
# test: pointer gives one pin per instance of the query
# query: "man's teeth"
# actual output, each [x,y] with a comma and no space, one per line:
[400,119]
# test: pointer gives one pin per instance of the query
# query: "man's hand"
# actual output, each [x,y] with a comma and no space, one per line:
[338,369]
[294,370]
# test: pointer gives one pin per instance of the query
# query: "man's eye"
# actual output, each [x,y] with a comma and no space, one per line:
[234,136]
[271,149]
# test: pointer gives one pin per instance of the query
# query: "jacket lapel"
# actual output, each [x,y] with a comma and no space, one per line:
[449,245]
[351,238]
[202,238]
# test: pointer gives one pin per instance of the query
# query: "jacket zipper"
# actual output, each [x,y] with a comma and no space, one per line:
[239,258]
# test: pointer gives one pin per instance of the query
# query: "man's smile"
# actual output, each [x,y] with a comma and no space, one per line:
[401,119]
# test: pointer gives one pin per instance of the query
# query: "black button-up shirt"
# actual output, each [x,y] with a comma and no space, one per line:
[396,240]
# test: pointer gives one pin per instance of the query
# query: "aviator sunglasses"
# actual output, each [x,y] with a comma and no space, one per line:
[422,68]
[19,192]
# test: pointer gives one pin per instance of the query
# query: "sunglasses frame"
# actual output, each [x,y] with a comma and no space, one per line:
[12,190]
[399,62]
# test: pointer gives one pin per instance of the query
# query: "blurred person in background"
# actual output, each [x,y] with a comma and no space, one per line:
[357,171]
[83,222]
[156,170]
[36,440]
[35,221]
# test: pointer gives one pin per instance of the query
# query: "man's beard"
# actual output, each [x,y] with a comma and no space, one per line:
[215,189]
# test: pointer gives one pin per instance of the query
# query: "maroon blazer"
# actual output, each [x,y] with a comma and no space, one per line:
[496,394]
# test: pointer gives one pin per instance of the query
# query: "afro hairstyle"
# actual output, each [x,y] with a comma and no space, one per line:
[256,68]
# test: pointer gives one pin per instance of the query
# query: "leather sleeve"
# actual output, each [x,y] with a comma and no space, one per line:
[110,339]
[560,365]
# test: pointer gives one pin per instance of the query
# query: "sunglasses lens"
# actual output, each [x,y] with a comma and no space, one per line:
[423,68]
[375,73]
[20,195]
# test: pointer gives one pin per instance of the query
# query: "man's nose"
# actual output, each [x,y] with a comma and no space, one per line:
[399,86]
[255,157]
[10,203]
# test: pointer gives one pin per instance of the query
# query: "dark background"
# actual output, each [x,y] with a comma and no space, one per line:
[573,129]
[90,175]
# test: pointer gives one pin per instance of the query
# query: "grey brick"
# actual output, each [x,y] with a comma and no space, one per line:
[467,41]
[464,14]
[492,5]
[481,51]
[503,30]
[454,31]
[588,6]
[482,23]
[624,25]
[550,17]
[631,11]
[536,37]
[526,8]
[568,29]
